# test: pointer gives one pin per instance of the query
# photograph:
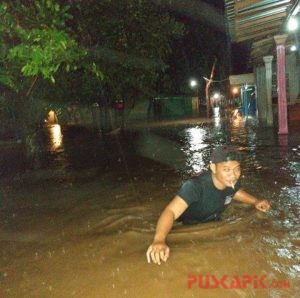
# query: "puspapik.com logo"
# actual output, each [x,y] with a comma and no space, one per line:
[227,281]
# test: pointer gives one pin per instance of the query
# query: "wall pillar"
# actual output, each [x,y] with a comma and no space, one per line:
[281,84]
[260,79]
[268,67]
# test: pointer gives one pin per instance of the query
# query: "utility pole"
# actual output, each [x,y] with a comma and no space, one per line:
[208,83]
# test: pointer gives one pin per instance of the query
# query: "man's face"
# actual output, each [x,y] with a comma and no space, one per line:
[226,174]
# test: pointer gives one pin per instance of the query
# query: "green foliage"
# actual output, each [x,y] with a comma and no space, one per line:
[44,51]
[5,79]
[129,40]
[36,43]
[129,49]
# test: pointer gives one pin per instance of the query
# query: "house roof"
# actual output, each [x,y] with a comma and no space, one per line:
[258,21]
[246,78]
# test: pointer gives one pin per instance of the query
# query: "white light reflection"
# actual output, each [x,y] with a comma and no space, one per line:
[217,122]
[236,119]
[216,111]
[292,24]
[195,148]
[293,48]
[55,137]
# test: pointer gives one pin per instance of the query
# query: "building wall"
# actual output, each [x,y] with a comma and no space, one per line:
[292,77]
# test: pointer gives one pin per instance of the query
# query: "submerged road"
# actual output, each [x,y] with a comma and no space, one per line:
[79,221]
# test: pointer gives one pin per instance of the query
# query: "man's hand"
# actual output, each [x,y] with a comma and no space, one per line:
[157,252]
[244,197]
[263,205]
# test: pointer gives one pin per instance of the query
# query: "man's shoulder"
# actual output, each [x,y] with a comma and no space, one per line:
[200,178]
[197,181]
[191,189]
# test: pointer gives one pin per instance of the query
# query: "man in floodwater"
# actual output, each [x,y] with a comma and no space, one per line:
[203,198]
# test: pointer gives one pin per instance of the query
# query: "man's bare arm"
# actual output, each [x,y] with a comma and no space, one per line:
[159,250]
[244,197]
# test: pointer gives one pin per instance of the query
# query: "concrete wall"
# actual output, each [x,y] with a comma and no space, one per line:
[293,84]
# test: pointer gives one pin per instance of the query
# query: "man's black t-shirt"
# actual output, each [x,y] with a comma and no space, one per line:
[205,201]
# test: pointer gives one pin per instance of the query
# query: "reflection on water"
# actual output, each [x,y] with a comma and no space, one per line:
[237,122]
[86,236]
[55,137]
[195,147]
[217,122]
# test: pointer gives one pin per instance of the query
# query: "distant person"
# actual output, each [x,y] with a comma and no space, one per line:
[202,199]
[154,108]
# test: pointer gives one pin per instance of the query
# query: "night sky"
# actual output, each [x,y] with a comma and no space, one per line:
[205,40]
[239,51]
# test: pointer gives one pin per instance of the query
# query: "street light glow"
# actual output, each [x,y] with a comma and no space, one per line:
[292,24]
[216,95]
[293,48]
[235,90]
[193,83]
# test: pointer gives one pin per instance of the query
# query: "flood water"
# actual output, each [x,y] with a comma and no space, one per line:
[78,223]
